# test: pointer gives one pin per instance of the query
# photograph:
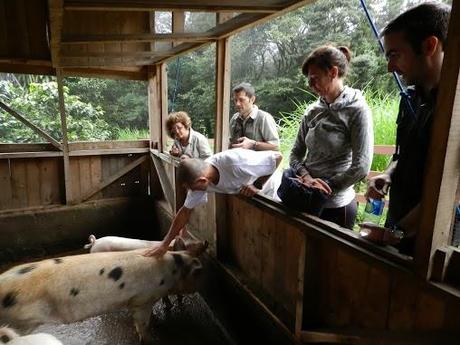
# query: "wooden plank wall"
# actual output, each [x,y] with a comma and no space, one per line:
[342,288]
[30,182]
[267,251]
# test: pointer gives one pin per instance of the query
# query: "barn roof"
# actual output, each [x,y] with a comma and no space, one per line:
[115,38]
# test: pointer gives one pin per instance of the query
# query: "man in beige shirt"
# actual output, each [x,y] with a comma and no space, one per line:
[251,128]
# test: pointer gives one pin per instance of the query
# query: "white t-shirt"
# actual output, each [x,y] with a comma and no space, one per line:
[237,168]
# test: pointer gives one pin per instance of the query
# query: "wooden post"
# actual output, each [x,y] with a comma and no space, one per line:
[65,143]
[154,109]
[223,67]
[163,91]
[442,169]
[221,137]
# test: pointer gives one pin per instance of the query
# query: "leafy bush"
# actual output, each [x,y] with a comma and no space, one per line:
[39,104]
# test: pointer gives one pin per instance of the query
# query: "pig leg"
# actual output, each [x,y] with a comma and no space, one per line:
[141,317]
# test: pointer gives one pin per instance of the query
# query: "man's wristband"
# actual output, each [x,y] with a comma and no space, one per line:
[254,145]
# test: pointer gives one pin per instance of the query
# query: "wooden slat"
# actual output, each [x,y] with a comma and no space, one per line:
[441,171]
[18,184]
[33,183]
[30,154]
[165,183]
[140,37]
[163,101]
[50,181]
[202,6]
[5,184]
[140,74]
[108,145]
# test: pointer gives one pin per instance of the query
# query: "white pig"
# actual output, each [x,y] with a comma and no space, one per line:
[74,288]
[10,337]
[116,244]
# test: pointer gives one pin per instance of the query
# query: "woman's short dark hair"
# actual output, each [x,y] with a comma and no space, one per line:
[422,21]
[173,118]
[328,56]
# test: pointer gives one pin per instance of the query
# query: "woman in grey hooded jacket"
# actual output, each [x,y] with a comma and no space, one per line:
[334,145]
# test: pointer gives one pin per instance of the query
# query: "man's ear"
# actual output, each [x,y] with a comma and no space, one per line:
[253,99]
[430,45]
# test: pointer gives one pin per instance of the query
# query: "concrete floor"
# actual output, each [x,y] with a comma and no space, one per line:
[191,323]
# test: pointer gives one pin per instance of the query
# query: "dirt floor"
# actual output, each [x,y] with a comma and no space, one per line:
[191,323]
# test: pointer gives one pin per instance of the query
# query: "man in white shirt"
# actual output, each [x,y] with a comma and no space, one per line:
[230,172]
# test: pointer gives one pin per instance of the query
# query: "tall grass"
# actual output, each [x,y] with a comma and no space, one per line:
[132,134]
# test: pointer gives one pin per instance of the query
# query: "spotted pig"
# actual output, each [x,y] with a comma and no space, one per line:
[74,288]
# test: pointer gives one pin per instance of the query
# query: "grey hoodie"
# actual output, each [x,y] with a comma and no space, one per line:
[335,143]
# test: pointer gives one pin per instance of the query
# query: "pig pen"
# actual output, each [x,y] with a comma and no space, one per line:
[63,231]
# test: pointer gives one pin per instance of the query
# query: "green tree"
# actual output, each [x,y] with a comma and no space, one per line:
[40,106]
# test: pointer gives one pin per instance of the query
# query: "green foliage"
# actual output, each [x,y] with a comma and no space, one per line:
[124,103]
[39,104]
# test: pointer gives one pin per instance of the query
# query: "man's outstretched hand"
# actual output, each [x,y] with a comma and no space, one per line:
[156,251]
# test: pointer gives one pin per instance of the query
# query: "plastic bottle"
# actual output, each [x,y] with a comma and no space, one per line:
[373,211]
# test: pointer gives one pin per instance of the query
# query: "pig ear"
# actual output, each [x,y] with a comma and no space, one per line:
[179,244]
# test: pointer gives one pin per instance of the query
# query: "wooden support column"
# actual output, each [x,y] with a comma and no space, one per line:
[157,105]
[65,143]
[443,164]
[223,68]
[221,138]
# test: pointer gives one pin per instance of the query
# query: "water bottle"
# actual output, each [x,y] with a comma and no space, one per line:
[373,211]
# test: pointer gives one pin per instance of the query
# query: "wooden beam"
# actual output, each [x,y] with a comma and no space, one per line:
[442,169]
[135,38]
[96,63]
[56,11]
[178,25]
[65,143]
[112,178]
[106,73]
[29,124]
[223,67]
[26,69]
[172,5]
[107,54]
[166,185]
